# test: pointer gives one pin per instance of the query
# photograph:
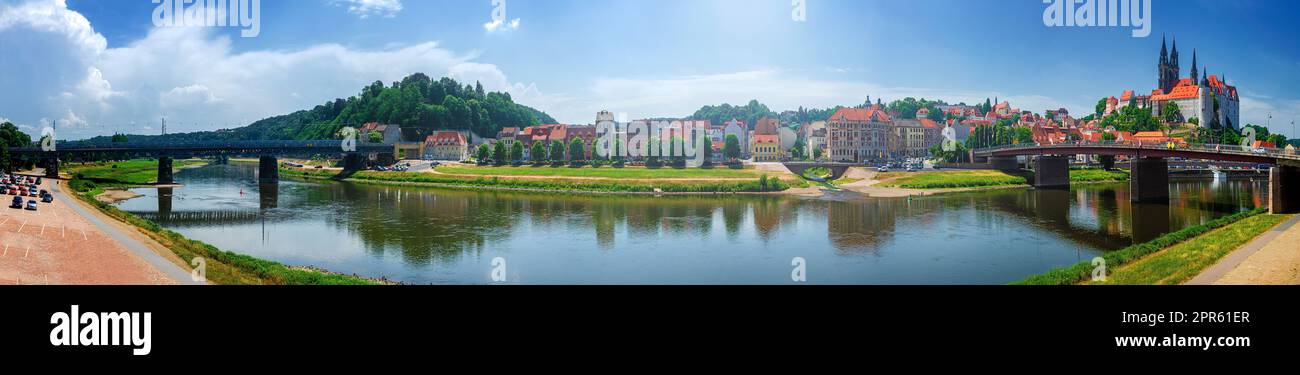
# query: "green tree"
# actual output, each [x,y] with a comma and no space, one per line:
[119,138]
[516,152]
[375,137]
[817,153]
[577,150]
[1101,107]
[499,152]
[538,152]
[484,152]
[731,149]
[557,151]
[1171,114]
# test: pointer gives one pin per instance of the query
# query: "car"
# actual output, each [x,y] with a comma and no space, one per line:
[47,198]
[17,203]
[911,169]
[31,205]
[882,169]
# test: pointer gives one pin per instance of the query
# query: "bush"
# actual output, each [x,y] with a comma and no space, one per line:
[82,186]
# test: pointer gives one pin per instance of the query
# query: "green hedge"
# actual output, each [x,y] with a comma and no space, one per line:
[1082,271]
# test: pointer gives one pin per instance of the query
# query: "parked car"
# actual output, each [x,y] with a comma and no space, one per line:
[17,203]
[31,205]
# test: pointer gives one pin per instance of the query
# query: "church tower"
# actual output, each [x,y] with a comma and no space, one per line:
[1194,76]
[1169,70]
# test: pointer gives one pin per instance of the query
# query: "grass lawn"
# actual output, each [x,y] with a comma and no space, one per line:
[130,172]
[604,172]
[981,178]
[951,179]
[1182,262]
[754,183]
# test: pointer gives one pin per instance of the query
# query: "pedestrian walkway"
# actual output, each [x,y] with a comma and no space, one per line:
[1271,259]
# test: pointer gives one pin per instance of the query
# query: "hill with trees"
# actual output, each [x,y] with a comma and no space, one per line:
[417,103]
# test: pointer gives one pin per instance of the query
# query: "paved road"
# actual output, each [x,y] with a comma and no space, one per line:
[62,243]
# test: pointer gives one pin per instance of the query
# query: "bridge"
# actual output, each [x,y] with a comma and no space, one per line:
[165,152]
[837,169]
[1149,172]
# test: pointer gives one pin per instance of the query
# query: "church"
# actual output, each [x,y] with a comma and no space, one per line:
[1207,98]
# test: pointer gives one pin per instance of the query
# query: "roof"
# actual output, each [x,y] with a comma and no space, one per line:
[1184,90]
[859,114]
[928,123]
[443,138]
[764,138]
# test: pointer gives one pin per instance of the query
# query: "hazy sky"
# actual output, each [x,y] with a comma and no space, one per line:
[99,66]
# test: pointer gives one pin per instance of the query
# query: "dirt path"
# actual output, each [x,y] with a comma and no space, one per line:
[1272,259]
[63,242]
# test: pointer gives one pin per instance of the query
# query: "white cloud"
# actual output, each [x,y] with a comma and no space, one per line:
[501,25]
[1256,108]
[368,8]
[191,76]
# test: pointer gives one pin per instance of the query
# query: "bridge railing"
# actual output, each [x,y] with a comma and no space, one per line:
[1276,153]
[206,145]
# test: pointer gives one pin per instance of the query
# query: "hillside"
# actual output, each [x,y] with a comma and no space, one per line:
[418,103]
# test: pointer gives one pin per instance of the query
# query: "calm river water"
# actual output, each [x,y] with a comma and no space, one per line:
[426,235]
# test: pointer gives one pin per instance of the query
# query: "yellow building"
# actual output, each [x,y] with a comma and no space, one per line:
[765,148]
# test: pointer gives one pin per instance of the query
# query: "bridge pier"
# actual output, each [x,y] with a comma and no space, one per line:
[52,168]
[1149,180]
[1284,189]
[1005,163]
[165,171]
[268,170]
[1052,171]
[353,162]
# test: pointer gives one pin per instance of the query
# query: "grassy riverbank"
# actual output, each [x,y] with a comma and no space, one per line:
[758,183]
[1184,261]
[125,173]
[985,178]
[222,267]
[1165,265]
[602,172]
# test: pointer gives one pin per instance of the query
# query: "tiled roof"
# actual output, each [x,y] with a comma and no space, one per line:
[860,114]
[443,138]
[764,138]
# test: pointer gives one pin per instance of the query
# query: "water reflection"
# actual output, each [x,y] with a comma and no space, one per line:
[424,235]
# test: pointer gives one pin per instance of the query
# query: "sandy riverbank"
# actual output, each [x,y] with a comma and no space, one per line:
[113,196]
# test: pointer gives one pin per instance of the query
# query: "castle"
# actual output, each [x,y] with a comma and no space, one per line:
[1196,96]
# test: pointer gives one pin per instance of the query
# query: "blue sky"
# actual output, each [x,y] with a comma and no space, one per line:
[646,58]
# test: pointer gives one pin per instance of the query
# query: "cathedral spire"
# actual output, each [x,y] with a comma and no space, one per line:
[1173,55]
[1164,51]
[1194,77]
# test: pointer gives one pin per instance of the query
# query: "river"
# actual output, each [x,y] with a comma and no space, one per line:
[446,236]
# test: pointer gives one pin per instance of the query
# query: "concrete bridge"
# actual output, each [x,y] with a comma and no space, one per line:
[1149,177]
[267,153]
[837,169]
